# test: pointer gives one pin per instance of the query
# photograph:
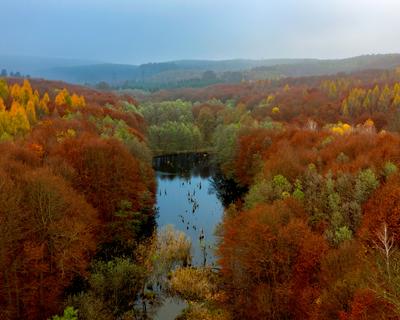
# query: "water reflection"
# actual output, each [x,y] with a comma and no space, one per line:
[184,166]
[227,190]
[191,195]
[186,199]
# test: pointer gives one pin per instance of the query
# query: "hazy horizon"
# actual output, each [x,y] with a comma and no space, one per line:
[133,32]
[93,62]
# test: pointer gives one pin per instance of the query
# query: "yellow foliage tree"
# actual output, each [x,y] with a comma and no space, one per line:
[44,104]
[346,127]
[63,98]
[36,98]
[27,92]
[345,108]
[4,91]
[396,89]
[396,102]
[369,123]
[330,88]
[3,125]
[375,95]
[384,99]
[31,112]
[2,105]
[355,100]
[18,120]
[341,128]
[275,110]
[270,99]
[3,118]
[16,92]
[22,94]
[367,101]
[77,101]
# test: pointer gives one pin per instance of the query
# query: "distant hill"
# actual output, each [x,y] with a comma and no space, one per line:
[234,64]
[112,73]
[327,67]
[34,66]
[157,73]
[190,73]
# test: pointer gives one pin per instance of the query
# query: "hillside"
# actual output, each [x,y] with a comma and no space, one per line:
[199,73]
[191,73]
[327,67]
[34,66]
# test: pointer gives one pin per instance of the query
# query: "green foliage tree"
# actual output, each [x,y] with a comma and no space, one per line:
[207,122]
[224,142]
[69,314]
[366,183]
[384,99]
[161,112]
[268,191]
[114,287]
[389,169]
[174,136]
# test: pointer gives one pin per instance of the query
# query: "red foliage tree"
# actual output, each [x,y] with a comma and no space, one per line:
[47,235]
[367,306]
[268,258]
[382,208]
[108,175]
[251,148]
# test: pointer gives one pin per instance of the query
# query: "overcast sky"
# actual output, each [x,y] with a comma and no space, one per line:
[139,31]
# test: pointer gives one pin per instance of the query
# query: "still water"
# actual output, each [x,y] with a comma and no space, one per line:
[188,200]
[191,195]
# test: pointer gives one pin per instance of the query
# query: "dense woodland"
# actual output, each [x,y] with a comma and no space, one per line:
[76,205]
[315,237]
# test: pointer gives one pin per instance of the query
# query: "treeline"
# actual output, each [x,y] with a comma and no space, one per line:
[328,99]
[181,126]
[172,127]
[4,73]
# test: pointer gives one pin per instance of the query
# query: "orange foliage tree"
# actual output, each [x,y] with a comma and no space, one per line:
[269,258]
[108,175]
[382,208]
[47,236]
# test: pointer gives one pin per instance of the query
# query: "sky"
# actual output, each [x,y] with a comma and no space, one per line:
[141,31]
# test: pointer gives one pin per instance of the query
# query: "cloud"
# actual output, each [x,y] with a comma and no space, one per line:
[154,30]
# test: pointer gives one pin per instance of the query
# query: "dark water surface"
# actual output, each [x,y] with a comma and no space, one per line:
[191,195]
[188,200]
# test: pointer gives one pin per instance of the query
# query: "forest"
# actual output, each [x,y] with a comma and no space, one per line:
[77,196]
[315,235]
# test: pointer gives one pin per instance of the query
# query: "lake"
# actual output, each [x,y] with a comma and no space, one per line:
[188,200]
[191,195]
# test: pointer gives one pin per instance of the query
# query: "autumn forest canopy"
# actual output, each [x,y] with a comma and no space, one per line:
[314,235]
[200,160]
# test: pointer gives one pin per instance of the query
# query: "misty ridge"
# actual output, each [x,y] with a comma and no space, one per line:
[188,73]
